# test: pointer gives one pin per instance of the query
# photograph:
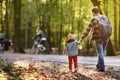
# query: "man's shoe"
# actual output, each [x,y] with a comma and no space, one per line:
[101,70]
[97,69]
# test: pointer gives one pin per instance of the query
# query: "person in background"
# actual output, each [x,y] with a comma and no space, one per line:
[71,47]
[8,44]
[1,38]
[43,40]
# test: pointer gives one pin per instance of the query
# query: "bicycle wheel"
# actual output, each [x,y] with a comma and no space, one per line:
[1,49]
[34,49]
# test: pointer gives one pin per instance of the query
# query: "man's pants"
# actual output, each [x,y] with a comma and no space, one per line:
[100,47]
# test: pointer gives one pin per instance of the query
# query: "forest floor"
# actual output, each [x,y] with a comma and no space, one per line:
[55,67]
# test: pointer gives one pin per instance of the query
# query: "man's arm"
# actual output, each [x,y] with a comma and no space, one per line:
[86,32]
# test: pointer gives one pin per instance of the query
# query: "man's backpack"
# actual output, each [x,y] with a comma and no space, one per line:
[103,29]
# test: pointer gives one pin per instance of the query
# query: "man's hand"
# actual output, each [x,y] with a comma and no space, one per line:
[80,41]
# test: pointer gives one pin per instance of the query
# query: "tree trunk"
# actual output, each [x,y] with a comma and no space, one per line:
[110,50]
[1,25]
[60,38]
[106,7]
[48,34]
[115,26]
[17,33]
[119,29]
[6,19]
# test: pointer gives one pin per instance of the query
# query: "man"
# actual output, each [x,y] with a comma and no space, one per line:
[1,40]
[100,43]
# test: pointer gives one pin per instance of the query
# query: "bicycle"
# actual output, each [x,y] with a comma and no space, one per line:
[37,48]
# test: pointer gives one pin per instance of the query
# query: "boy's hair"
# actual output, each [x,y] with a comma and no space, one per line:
[96,9]
[71,36]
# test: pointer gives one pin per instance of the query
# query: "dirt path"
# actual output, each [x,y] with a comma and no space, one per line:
[10,57]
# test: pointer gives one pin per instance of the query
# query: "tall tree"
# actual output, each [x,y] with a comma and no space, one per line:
[6,19]
[119,28]
[110,50]
[49,9]
[106,7]
[115,25]
[1,15]
[60,38]
[17,23]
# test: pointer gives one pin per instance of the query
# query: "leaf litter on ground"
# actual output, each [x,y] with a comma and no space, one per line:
[46,70]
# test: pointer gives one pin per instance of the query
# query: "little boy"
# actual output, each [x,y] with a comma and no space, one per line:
[72,50]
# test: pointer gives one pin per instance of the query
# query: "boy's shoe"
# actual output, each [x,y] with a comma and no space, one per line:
[76,71]
[70,71]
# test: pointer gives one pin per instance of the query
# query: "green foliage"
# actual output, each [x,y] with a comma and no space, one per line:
[72,15]
[57,17]
[69,14]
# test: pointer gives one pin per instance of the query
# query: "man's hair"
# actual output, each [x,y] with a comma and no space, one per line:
[42,29]
[96,9]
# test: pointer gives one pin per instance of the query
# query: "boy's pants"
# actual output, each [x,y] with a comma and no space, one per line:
[74,59]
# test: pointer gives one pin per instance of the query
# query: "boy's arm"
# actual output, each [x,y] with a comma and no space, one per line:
[78,42]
